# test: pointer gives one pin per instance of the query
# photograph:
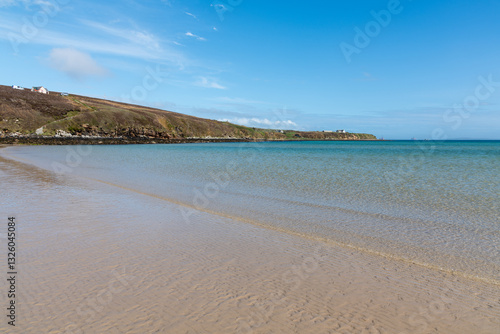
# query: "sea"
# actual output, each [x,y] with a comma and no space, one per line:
[429,203]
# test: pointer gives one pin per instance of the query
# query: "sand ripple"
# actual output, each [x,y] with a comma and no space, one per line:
[99,259]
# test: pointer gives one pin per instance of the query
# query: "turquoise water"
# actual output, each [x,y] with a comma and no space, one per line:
[436,204]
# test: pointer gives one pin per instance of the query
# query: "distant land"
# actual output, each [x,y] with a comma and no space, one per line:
[28,117]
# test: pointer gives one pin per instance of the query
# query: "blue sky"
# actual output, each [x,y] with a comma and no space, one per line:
[397,69]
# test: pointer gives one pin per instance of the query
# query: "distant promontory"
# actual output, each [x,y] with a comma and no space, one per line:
[33,117]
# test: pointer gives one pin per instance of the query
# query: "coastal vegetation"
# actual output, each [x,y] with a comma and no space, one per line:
[26,114]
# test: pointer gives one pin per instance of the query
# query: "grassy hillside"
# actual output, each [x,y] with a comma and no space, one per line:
[29,113]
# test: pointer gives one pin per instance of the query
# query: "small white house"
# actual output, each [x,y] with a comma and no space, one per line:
[17,87]
[40,89]
[341,131]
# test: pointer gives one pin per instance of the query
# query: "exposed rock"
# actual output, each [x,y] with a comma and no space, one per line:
[26,114]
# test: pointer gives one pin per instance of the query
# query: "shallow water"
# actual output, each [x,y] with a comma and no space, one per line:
[115,255]
[432,203]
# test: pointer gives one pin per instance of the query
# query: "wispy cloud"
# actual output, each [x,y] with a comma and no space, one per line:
[236,100]
[108,40]
[190,34]
[134,36]
[208,83]
[220,7]
[74,63]
[366,77]
[262,123]
[192,15]
[25,3]
[8,3]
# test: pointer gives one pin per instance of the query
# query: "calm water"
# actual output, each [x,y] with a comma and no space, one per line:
[433,203]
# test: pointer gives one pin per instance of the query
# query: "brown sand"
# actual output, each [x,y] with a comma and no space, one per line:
[98,259]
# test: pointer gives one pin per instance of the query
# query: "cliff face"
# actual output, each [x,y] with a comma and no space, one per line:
[23,113]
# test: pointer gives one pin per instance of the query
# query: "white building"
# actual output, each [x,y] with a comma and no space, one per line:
[40,89]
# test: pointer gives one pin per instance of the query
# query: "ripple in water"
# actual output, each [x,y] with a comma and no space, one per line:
[432,203]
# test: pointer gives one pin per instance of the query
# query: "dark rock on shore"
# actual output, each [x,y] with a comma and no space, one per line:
[33,118]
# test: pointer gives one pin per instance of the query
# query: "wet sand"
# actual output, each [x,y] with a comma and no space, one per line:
[94,258]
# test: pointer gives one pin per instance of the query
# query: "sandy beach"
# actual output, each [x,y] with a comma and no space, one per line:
[249,167]
[95,258]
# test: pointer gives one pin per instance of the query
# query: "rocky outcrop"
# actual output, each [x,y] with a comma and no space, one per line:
[34,116]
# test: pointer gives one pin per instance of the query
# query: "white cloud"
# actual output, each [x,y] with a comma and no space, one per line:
[44,3]
[208,83]
[134,36]
[195,36]
[146,46]
[262,123]
[192,15]
[26,3]
[366,77]
[220,7]
[8,3]
[75,63]
[236,100]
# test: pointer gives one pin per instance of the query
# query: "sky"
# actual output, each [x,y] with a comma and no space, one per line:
[396,69]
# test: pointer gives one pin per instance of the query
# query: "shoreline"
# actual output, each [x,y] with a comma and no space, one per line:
[296,233]
[109,141]
[129,141]
[98,258]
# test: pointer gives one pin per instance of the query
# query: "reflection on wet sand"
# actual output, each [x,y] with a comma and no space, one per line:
[99,259]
